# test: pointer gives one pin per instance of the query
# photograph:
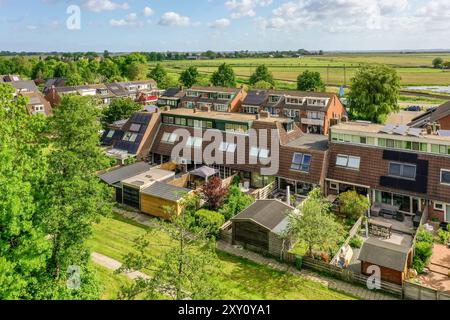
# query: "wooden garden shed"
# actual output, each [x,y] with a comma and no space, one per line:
[261,226]
[392,259]
[158,196]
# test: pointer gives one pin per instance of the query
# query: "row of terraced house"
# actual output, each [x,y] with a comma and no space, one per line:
[403,170]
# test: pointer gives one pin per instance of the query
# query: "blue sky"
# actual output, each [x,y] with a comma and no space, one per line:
[225,25]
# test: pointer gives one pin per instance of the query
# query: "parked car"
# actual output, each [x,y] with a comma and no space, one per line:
[414,108]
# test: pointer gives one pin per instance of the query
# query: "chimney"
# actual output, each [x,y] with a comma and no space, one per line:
[258,116]
[429,129]
[194,110]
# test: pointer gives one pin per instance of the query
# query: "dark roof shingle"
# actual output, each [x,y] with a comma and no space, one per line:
[267,213]
[166,191]
[384,254]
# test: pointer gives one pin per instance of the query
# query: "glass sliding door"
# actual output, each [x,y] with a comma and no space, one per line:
[447,214]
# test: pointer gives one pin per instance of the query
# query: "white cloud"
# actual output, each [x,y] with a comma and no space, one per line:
[104,5]
[245,8]
[131,20]
[173,19]
[220,23]
[148,11]
[335,15]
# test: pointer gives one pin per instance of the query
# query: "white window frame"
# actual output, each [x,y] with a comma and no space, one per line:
[441,204]
[194,142]
[334,184]
[402,165]
[440,177]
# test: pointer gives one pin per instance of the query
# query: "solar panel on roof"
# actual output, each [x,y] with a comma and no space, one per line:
[400,130]
[414,132]
[444,133]
[388,128]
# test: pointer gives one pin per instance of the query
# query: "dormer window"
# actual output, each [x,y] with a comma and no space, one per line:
[110,134]
[130,137]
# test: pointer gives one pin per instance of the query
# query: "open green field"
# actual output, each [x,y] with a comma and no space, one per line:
[338,69]
[238,278]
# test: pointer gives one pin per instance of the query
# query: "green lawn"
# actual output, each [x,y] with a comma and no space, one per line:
[414,69]
[110,282]
[239,278]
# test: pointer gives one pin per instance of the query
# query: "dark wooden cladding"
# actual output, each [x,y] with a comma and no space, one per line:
[252,234]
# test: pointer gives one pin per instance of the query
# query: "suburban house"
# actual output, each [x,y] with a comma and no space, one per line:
[37,104]
[214,98]
[24,86]
[105,92]
[171,98]
[437,119]
[314,112]
[255,101]
[131,138]
[9,78]
[301,156]
[115,177]
[262,226]
[146,188]
[408,168]
[54,82]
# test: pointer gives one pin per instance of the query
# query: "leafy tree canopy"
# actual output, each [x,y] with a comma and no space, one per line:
[224,76]
[310,81]
[262,73]
[374,93]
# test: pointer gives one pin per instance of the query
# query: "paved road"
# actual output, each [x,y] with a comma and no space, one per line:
[114,265]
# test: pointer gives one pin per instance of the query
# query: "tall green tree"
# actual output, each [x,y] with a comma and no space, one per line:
[23,245]
[438,62]
[374,93]
[159,74]
[316,226]
[74,197]
[119,109]
[189,77]
[109,70]
[188,268]
[310,81]
[262,73]
[136,71]
[224,76]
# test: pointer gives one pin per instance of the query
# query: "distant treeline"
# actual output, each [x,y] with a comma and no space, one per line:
[160,56]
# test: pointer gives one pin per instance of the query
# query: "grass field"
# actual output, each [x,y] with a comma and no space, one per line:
[238,278]
[338,69]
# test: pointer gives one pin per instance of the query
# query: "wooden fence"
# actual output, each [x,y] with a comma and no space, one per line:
[262,194]
[343,274]
[414,291]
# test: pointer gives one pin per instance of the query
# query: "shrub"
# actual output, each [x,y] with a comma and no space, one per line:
[424,251]
[211,221]
[424,236]
[356,242]
[353,205]
[443,236]
[418,265]
[236,202]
